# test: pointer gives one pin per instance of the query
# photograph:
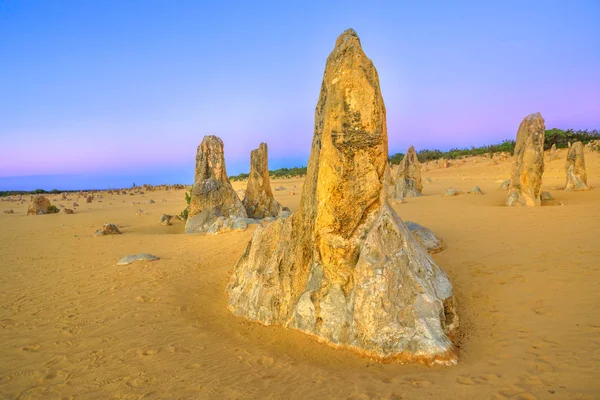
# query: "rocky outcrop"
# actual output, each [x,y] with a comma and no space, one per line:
[214,204]
[528,164]
[40,205]
[259,201]
[344,267]
[575,168]
[408,180]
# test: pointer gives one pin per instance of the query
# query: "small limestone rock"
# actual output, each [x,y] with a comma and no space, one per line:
[137,257]
[575,168]
[166,220]
[476,190]
[505,185]
[108,229]
[89,198]
[140,212]
[150,201]
[10,211]
[450,192]
[546,196]
[528,166]
[68,211]
[428,180]
[75,204]
[425,237]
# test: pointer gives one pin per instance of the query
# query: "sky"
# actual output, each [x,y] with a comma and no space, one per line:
[97,94]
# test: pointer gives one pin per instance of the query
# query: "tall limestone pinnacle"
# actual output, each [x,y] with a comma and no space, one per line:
[575,168]
[528,164]
[259,201]
[214,204]
[408,181]
[344,267]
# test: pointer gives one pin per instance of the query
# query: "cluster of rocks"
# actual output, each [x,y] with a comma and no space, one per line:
[334,268]
[215,206]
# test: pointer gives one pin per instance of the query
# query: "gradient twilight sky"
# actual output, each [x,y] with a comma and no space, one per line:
[104,93]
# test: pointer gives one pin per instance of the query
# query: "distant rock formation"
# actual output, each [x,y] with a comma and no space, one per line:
[575,168]
[214,204]
[259,201]
[344,267]
[528,165]
[553,152]
[40,205]
[408,181]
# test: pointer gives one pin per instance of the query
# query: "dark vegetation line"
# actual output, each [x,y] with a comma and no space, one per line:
[559,137]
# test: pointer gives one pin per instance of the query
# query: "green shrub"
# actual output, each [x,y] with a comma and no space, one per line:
[53,209]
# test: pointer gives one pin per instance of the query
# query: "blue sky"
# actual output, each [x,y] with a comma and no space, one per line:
[111,92]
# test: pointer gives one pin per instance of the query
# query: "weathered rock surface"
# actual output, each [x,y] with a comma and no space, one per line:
[528,165]
[408,180]
[505,185]
[213,199]
[137,257]
[575,168]
[450,192]
[39,205]
[9,211]
[476,190]
[259,201]
[68,211]
[546,196]
[344,267]
[166,220]
[108,229]
[425,237]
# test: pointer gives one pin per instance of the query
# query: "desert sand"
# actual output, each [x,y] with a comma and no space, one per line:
[73,324]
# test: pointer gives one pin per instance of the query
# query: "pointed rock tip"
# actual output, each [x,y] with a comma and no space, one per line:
[346,38]
[534,116]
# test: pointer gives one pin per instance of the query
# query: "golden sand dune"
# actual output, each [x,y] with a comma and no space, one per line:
[73,324]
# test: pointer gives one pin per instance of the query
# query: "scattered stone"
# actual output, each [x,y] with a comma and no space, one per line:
[428,180]
[108,229]
[476,190]
[212,196]
[137,257]
[40,205]
[150,201]
[408,181]
[10,211]
[75,204]
[166,220]
[546,196]
[528,166]
[89,198]
[505,185]
[259,201]
[425,237]
[280,188]
[344,267]
[140,212]
[575,168]
[68,211]
[450,192]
